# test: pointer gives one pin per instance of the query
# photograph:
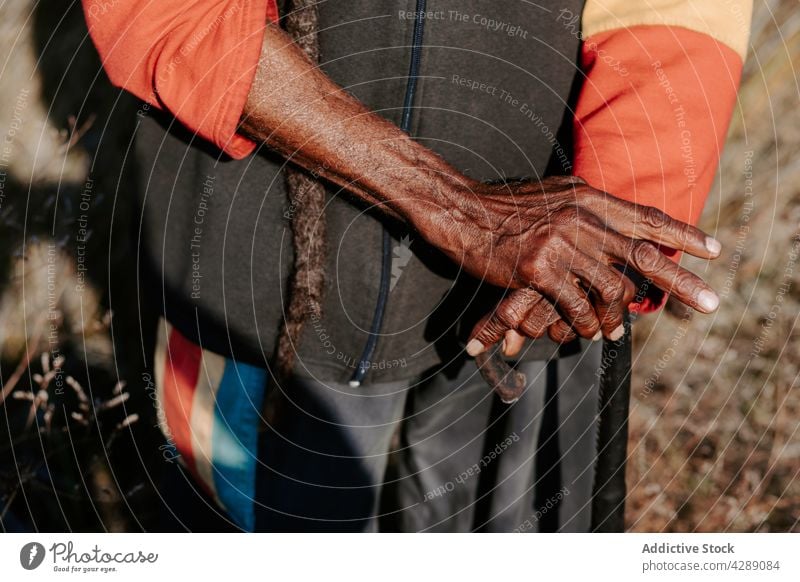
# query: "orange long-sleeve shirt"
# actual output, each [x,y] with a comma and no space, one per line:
[194,58]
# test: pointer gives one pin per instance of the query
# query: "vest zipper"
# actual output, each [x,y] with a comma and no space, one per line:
[386,260]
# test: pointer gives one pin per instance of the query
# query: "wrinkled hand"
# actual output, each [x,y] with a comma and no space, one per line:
[525,313]
[522,313]
[557,241]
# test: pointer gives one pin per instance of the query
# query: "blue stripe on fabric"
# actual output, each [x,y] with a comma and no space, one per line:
[235,439]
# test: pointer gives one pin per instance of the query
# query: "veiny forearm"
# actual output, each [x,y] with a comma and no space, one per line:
[558,236]
[297,110]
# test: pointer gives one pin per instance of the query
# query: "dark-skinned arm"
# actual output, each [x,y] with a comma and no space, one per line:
[558,238]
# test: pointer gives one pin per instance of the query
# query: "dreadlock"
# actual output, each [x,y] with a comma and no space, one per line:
[307,196]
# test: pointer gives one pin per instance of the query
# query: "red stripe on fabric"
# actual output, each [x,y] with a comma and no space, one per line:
[272,10]
[181,372]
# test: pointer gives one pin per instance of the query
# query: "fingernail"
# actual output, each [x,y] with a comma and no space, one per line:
[503,347]
[708,300]
[713,245]
[598,336]
[475,348]
[617,333]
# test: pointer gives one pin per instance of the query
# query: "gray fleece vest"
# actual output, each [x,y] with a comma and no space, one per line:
[495,82]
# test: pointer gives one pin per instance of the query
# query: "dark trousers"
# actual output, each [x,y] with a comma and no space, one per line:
[439,454]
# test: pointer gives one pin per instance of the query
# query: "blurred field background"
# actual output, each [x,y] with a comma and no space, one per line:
[80,450]
[714,422]
[715,444]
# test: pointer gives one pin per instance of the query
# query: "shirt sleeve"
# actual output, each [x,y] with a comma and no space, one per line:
[660,86]
[194,58]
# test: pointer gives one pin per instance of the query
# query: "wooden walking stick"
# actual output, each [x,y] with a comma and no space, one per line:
[609,492]
[508,383]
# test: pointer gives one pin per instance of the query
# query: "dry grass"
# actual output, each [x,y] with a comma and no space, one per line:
[74,430]
[715,443]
